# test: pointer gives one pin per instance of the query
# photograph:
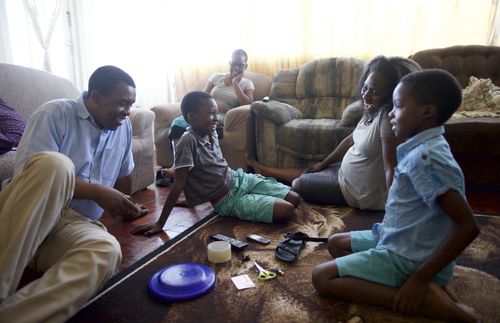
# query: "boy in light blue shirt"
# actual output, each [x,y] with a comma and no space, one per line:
[405,262]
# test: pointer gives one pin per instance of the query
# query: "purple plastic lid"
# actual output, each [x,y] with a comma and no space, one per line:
[181,282]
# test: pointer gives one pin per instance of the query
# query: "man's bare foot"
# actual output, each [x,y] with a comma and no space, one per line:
[253,163]
[168,172]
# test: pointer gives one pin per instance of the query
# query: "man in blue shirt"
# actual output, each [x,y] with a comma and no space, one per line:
[405,262]
[76,151]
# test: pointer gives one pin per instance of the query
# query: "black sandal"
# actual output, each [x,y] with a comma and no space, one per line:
[289,249]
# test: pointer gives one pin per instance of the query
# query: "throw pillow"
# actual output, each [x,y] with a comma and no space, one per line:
[479,95]
[352,114]
[11,127]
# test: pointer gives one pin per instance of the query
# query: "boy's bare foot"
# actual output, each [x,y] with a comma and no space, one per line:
[450,292]
[451,310]
[253,163]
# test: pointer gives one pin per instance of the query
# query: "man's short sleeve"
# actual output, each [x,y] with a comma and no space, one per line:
[185,151]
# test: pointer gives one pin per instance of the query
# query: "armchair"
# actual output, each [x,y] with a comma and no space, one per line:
[238,129]
[303,121]
[25,89]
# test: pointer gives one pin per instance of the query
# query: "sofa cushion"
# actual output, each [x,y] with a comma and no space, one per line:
[296,136]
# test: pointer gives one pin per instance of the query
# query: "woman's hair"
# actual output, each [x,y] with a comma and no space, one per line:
[392,70]
[192,101]
[435,87]
[105,78]
[240,52]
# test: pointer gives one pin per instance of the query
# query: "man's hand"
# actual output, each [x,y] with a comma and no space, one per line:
[118,204]
[237,78]
[147,229]
[409,298]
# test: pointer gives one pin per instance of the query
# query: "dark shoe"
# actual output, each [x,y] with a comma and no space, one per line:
[162,181]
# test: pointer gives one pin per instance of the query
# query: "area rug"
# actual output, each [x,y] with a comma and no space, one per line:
[288,298]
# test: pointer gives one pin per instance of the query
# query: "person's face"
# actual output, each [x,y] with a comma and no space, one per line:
[110,111]
[374,92]
[237,65]
[406,115]
[204,121]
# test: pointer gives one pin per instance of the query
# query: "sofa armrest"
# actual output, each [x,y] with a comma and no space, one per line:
[142,148]
[164,115]
[277,112]
[142,121]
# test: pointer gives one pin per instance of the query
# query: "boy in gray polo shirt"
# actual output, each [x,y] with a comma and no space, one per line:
[204,175]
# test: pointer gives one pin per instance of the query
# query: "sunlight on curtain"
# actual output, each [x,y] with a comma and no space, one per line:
[288,33]
[169,45]
[24,47]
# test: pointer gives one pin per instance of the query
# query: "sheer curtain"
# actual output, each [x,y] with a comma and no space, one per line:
[169,45]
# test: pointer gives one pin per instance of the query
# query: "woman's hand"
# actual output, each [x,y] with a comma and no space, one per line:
[147,229]
[410,296]
[318,167]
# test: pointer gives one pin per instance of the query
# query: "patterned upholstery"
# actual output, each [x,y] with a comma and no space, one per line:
[25,89]
[307,132]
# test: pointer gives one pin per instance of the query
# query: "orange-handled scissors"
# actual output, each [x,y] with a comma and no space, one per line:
[264,274]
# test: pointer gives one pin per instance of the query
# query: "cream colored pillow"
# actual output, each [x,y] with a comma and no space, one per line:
[480,95]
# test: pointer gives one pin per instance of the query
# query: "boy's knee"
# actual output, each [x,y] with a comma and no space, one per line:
[283,211]
[320,279]
[293,197]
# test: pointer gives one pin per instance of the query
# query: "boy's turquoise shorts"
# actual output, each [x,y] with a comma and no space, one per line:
[252,197]
[380,265]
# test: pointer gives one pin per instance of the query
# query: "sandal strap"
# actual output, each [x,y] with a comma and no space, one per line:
[288,249]
[300,236]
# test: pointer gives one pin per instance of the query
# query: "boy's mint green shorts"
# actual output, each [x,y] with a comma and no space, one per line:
[252,197]
[380,265]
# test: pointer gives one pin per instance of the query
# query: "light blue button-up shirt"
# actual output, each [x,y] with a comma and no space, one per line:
[414,224]
[100,156]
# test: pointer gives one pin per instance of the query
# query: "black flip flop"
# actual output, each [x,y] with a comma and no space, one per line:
[289,249]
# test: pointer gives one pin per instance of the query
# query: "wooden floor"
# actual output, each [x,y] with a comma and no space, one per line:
[135,247]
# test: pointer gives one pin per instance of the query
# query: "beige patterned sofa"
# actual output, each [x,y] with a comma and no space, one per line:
[474,142]
[25,89]
[238,137]
[304,119]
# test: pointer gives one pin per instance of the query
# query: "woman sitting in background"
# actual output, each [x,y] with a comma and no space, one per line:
[359,171]
[230,90]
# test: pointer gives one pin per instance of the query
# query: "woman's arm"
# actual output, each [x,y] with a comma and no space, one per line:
[335,156]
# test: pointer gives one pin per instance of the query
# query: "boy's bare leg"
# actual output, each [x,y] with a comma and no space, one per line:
[293,197]
[283,211]
[437,303]
[339,244]
[285,175]
[168,172]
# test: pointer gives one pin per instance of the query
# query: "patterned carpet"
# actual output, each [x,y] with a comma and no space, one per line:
[288,298]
